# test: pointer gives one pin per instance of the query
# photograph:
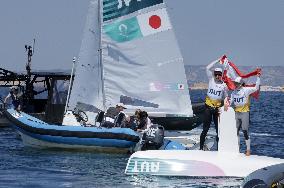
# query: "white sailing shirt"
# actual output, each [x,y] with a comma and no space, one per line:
[241,97]
[217,91]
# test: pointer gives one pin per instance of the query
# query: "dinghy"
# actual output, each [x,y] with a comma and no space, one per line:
[36,133]
[226,162]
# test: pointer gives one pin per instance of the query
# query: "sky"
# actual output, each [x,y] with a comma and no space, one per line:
[248,32]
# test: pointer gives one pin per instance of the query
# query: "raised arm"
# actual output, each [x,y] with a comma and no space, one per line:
[251,90]
[208,68]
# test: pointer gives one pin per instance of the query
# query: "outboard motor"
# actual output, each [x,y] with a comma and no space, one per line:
[153,138]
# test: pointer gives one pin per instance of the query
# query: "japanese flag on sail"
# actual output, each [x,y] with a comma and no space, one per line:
[154,22]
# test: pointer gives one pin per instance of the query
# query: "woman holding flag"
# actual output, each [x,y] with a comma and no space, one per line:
[217,91]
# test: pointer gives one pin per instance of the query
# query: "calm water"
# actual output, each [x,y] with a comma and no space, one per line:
[27,167]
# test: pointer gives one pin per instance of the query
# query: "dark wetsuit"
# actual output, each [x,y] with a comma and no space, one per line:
[209,114]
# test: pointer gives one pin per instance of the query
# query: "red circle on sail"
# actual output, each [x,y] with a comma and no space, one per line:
[155,21]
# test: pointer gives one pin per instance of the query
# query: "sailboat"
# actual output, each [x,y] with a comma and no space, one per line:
[129,54]
[135,60]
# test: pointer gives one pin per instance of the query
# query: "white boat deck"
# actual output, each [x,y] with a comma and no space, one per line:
[191,138]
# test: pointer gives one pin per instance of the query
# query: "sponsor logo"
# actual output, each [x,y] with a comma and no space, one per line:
[117,8]
[157,86]
[123,31]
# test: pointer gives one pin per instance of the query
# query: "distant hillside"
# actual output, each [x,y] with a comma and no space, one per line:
[271,75]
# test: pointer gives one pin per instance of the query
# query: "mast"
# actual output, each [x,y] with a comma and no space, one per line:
[100,13]
[70,83]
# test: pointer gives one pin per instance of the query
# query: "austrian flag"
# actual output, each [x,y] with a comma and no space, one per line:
[231,72]
[154,22]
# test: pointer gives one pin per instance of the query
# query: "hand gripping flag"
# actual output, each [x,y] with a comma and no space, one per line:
[231,72]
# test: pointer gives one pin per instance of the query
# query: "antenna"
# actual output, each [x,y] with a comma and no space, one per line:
[34,47]
[30,51]
[29,94]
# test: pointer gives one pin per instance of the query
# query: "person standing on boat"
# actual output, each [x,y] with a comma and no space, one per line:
[240,97]
[217,91]
[16,97]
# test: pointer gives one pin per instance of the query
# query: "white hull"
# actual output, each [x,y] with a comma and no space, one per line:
[226,162]
[36,143]
[196,163]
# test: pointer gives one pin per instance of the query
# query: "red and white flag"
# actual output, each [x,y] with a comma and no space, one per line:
[231,72]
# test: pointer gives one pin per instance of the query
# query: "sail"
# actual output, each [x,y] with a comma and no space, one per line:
[142,64]
[87,92]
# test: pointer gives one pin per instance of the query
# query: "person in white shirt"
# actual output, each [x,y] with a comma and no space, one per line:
[217,91]
[240,98]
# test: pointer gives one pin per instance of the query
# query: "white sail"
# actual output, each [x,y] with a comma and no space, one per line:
[143,66]
[87,91]
[139,64]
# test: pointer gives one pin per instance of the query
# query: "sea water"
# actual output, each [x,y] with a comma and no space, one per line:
[28,167]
